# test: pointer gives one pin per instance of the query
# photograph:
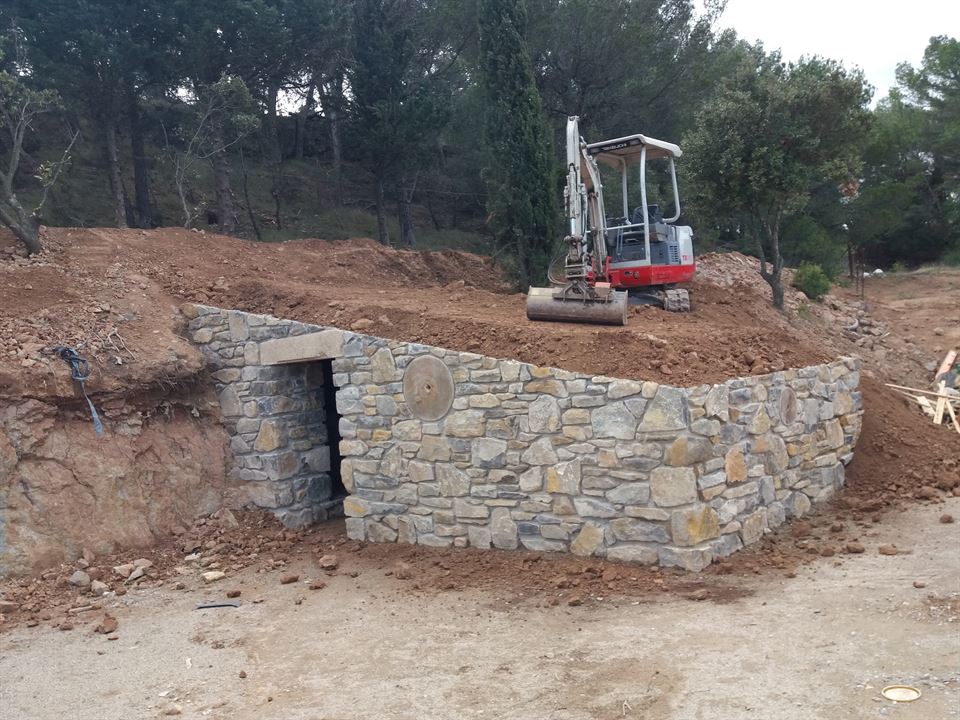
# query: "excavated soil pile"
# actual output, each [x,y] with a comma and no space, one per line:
[114,293]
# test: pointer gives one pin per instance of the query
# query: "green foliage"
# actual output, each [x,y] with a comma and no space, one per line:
[521,166]
[952,257]
[812,280]
[805,239]
[908,206]
[772,133]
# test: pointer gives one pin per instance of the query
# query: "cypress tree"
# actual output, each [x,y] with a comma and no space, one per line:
[522,203]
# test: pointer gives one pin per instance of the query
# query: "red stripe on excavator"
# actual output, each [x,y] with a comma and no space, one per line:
[647,275]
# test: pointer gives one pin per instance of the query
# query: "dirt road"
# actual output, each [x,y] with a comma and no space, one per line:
[819,645]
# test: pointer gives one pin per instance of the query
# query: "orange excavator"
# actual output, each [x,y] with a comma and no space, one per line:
[611,262]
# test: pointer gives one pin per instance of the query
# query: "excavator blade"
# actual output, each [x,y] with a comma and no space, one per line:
[543,305]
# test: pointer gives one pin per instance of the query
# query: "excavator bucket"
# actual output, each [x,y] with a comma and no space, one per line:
[549,304]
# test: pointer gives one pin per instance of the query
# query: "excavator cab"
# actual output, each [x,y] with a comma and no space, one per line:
[650,251]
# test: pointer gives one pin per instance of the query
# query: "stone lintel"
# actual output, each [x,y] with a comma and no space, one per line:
[324,345]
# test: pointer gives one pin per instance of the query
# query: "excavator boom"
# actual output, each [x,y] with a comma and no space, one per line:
[582,295]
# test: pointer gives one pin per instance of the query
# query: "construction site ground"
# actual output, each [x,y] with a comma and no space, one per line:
[812,622]
[384,639]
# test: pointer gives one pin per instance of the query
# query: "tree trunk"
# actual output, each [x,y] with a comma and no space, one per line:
[275,153]
[141,178]
[332,111]
[226,213]
[773,276]
[24,225]
[776,285]
[404,198]
[382,231]
[246,197]
[116,175]
[302,116]
[433,215]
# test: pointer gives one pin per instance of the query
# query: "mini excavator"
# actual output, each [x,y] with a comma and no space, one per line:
[612,262]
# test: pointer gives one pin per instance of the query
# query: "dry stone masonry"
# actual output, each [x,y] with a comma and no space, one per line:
[274,414]
[520,456]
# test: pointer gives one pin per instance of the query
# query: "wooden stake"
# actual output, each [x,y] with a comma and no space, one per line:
[953,416]
[941,405]
[947,363]
[924,404]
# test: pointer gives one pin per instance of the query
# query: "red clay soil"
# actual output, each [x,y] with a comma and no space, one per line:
[451,299]
[115,292]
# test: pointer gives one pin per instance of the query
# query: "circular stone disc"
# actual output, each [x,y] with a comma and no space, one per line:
[900,693]
[428,387]
[788,406]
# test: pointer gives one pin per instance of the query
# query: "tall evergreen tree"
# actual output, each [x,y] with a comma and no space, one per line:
[400,99]
[521,170]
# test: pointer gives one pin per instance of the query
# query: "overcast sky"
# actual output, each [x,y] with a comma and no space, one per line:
[873,34]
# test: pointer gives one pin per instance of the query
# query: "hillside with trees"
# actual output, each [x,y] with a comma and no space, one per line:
[437,123]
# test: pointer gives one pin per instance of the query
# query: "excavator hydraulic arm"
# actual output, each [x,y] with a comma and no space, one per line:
[583,294]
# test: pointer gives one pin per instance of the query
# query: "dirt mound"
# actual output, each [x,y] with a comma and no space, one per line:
[901,455]
[452,299]
[736,270]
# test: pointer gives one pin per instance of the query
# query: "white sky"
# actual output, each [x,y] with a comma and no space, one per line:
[874,35]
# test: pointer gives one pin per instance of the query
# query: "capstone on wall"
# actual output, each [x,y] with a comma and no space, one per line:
[549,460]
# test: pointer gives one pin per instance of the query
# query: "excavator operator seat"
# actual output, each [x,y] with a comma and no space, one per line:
[654,215]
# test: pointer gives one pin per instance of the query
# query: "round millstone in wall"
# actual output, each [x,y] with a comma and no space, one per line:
[428,387]
[788,406]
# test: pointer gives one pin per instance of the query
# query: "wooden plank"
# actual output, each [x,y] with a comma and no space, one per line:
[947,363]
[910,396]
[953,417]
[925,405]
[929,393]
[941,405]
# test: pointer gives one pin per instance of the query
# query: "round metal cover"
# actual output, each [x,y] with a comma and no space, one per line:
[900,693]
[428,387]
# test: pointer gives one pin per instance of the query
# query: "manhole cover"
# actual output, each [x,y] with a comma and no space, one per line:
[900,693]
[428,387]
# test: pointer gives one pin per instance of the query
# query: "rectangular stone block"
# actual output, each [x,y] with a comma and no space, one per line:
[324,345]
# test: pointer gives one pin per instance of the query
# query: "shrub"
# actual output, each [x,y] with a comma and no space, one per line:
[951,257]
[812,280]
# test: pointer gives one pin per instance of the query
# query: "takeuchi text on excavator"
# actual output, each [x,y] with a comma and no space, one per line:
[611,262]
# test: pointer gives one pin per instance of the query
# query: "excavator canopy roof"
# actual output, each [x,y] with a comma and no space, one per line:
[627,149]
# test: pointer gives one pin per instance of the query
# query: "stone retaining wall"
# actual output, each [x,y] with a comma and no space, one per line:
[541,458]
[274,414]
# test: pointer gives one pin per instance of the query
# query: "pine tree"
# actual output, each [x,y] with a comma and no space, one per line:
[520,178]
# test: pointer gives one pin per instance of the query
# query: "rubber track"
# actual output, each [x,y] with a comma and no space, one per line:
[676,300]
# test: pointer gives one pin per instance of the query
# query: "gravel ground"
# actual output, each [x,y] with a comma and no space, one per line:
[818,645]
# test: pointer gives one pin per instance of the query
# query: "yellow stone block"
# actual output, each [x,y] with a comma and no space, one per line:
[735,465]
